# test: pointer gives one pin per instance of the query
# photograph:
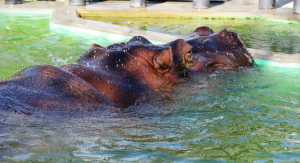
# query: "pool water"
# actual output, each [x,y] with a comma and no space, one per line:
[250,115]
[26,39]
[256,32]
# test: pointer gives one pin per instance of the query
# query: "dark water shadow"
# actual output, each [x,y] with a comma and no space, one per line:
[280,3]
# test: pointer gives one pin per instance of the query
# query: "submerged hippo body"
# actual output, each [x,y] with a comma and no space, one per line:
[222,50]
[50,88]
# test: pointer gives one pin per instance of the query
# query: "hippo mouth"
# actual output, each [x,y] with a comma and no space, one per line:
[211,66]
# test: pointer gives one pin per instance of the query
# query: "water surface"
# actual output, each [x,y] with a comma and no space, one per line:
[249,115]
[26,39]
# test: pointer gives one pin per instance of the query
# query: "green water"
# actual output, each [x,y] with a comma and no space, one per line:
[245,116]
[257,33]
[27,39]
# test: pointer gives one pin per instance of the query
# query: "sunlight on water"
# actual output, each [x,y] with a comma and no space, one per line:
[246,116]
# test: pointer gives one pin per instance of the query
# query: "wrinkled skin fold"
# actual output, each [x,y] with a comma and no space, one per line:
[120,75]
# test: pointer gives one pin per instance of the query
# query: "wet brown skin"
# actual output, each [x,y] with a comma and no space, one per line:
[118,75]
[129,72]
[50,88]
[181,58]
[217,51]
[122,74]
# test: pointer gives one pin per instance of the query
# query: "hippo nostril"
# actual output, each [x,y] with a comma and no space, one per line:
[209,64]
[184,74]
[189,57]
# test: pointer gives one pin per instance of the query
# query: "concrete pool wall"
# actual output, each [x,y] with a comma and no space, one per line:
[64,14]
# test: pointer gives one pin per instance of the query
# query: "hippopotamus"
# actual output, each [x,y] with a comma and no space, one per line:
[217,51]
[110,78]
[127,72]
[120,75]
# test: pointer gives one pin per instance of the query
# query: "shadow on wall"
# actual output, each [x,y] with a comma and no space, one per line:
[213,3]
[280,3]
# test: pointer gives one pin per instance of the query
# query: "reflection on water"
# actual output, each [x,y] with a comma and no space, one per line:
[240,116]
[257,33]
[245,116]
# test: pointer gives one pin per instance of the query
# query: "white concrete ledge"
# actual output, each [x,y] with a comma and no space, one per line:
[274,56]
[67,15]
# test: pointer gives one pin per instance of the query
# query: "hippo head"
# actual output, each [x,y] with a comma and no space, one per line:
[171,60]
[222,50]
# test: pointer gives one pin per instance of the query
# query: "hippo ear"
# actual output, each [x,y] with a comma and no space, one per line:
[139,40]
[203,31]
[95,46]
[162,61]
[224,32]
[229,39]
